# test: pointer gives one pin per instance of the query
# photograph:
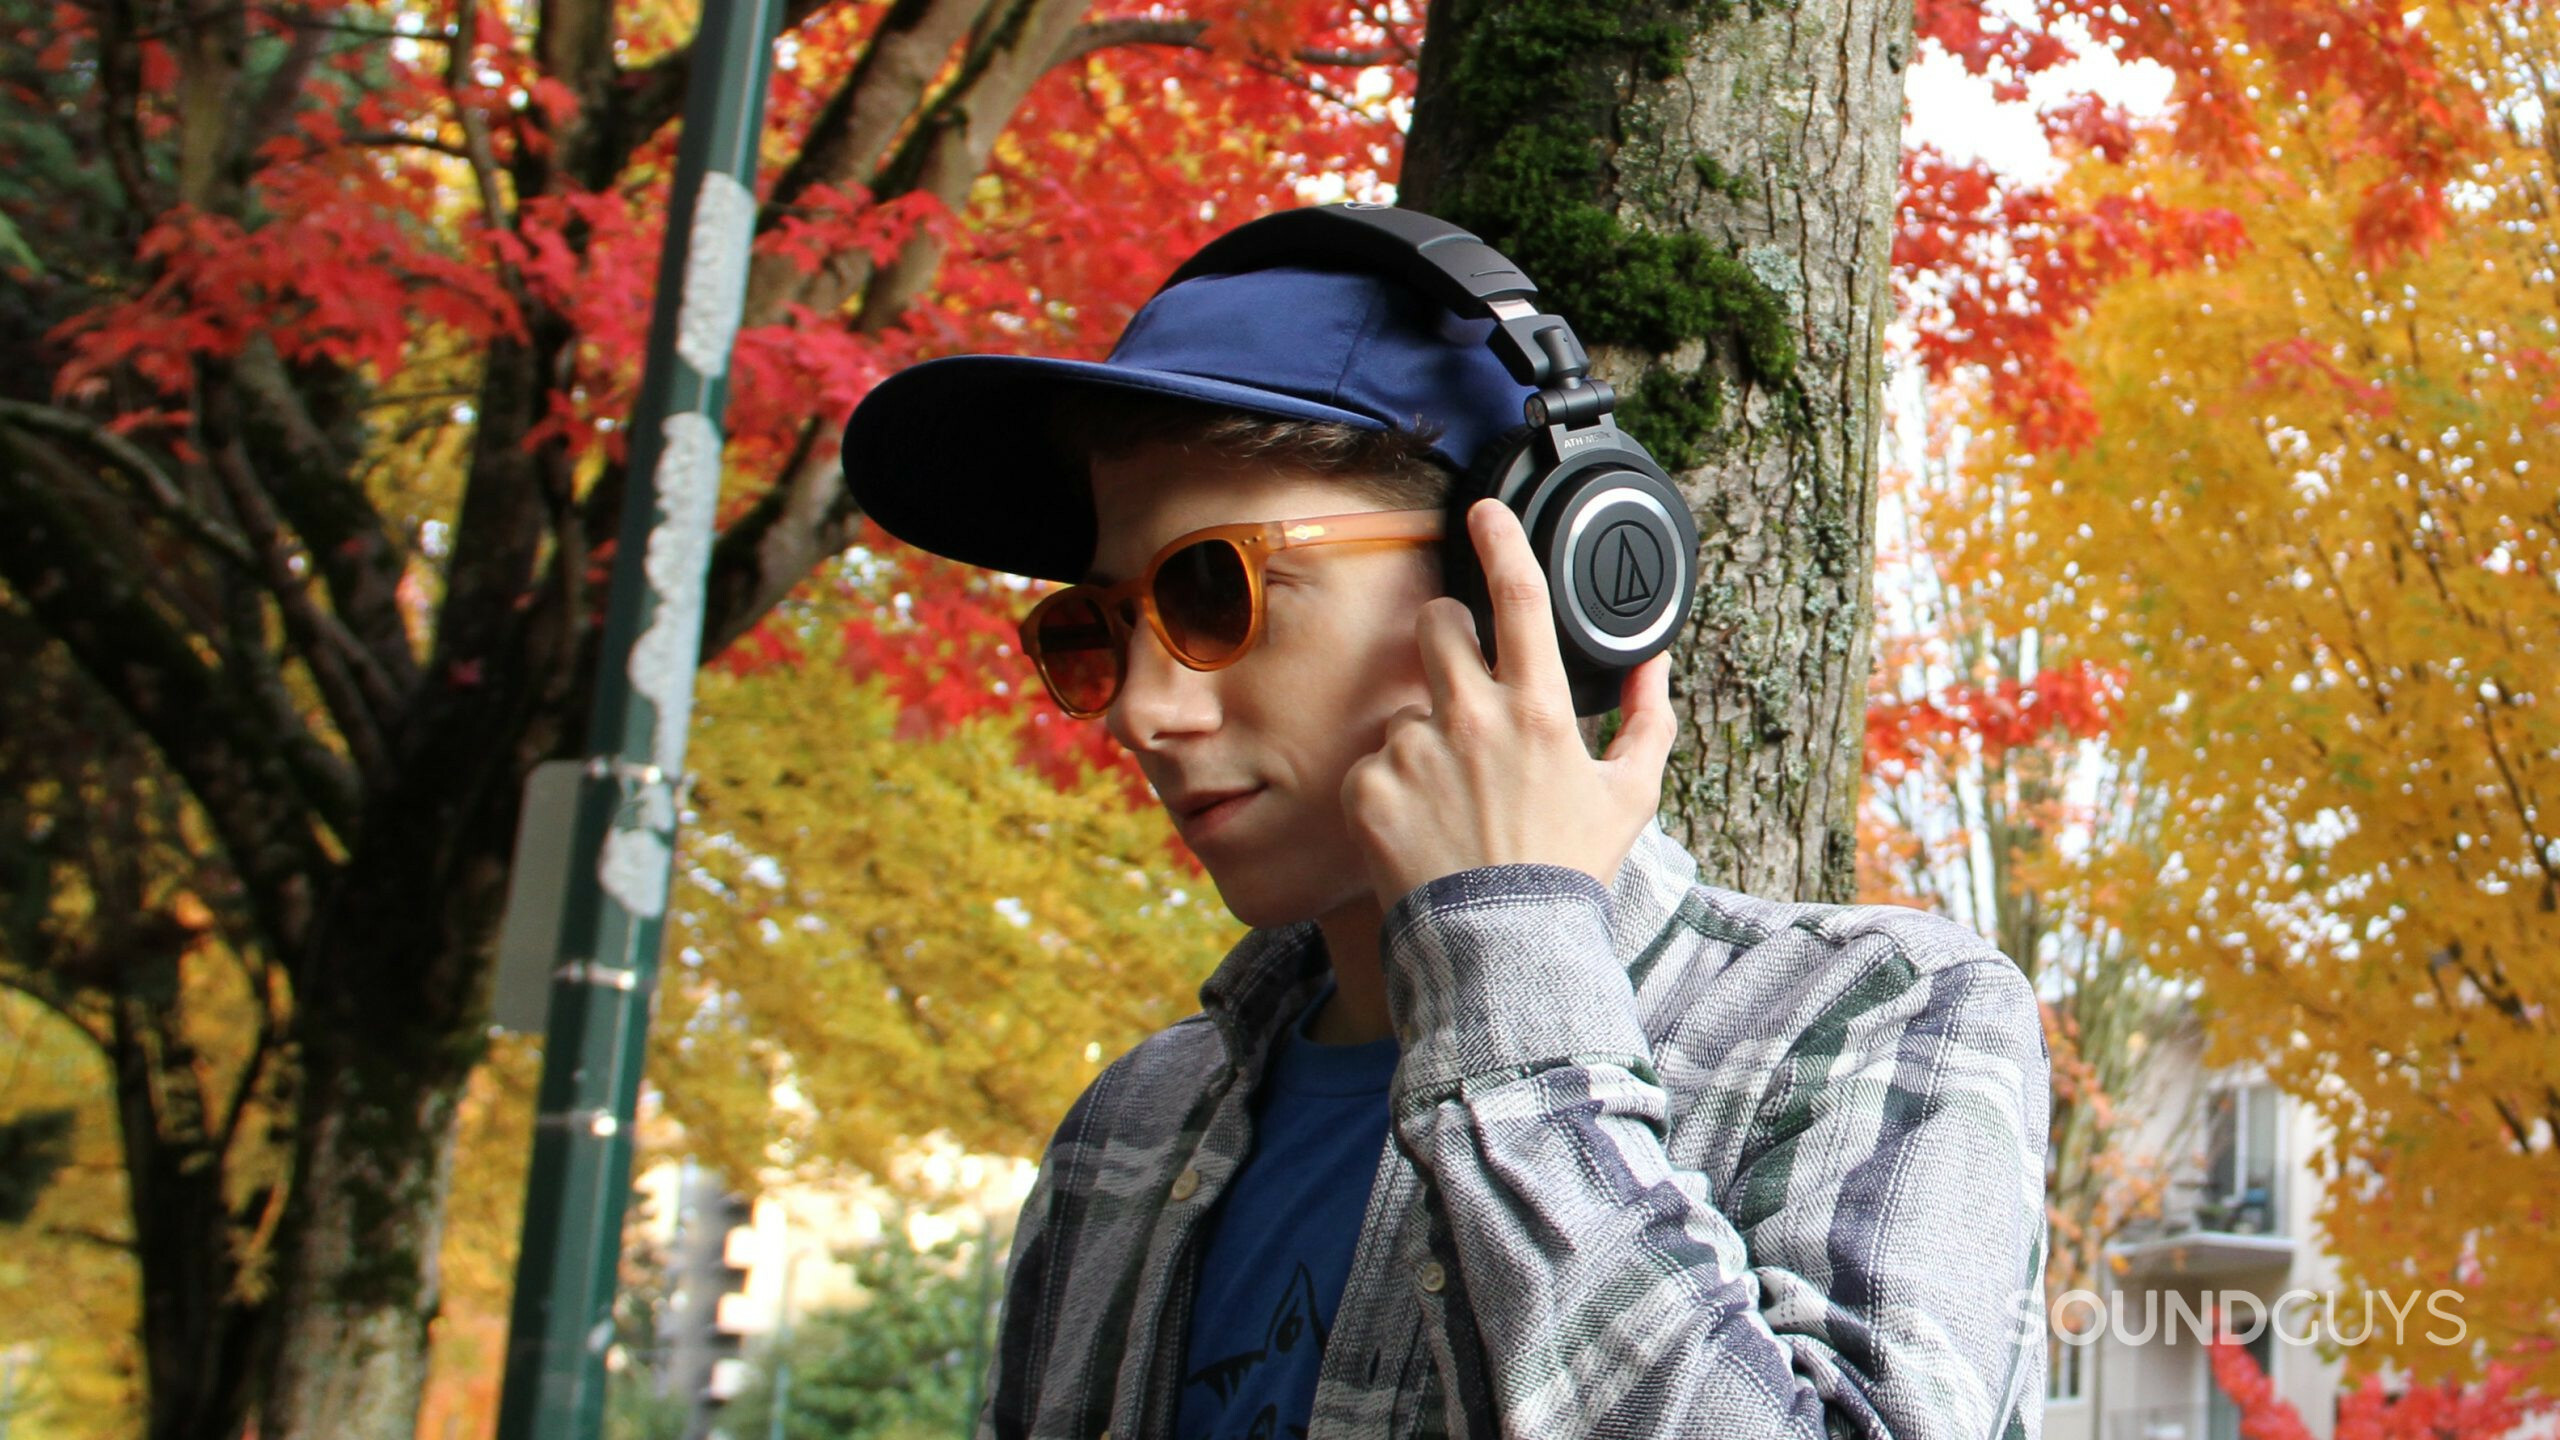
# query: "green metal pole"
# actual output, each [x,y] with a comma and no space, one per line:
[616,903]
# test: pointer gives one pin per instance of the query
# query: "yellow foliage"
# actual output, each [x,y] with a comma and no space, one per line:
[2318,532]
[878,936]
[67,1293]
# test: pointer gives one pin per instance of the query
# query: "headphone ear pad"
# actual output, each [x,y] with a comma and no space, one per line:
[1462,574]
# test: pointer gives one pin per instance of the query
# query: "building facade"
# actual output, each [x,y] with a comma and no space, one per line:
[2234,1232]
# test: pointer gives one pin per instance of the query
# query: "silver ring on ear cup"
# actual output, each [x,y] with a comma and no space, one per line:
[1674,575]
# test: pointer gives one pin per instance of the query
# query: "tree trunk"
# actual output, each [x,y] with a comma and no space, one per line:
[1705,190]
[360,1276]
[358,1284]
[198,1331]
[389,1028]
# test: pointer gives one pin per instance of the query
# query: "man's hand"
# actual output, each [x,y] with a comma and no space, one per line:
[1493,770]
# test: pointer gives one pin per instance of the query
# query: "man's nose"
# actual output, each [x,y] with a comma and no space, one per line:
[1160,697]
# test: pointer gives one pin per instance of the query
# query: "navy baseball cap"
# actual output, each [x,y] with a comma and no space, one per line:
[949,456]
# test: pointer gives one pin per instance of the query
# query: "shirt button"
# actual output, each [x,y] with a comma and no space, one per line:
[1186,1183]
[1431,1276]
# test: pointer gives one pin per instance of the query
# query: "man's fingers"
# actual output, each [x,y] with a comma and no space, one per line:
[1524,627]
[1646,726]
[1446,633]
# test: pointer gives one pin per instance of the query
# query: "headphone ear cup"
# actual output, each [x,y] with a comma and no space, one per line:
[1462,573]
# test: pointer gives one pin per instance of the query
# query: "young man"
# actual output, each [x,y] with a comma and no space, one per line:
[1498,1121]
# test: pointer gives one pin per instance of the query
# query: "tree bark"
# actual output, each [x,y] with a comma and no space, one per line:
[360,1283]
[388,1028]
[1750,154]
[199,1333]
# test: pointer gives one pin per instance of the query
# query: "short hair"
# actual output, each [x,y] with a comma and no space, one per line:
[1394,467]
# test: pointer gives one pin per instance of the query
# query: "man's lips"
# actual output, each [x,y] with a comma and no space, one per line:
[1198,811]
[1189,805]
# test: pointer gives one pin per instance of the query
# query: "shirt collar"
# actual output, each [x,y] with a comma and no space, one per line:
[1272,974]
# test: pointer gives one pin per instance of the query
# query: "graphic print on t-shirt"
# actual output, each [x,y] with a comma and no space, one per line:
[1276,1255]
[1294,1323]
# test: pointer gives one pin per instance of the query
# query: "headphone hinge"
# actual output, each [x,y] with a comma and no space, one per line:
[1539,349]
[1577,403]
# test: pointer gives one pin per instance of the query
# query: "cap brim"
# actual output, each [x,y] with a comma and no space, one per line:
[949,455]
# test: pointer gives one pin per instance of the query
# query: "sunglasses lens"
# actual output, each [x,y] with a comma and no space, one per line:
[1076,653]
[1206,600]
[1203,594]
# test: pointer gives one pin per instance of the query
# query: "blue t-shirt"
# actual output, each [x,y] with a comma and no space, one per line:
[1279,1247]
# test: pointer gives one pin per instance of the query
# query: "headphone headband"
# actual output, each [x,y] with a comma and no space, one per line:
[1613,533]
[1428,254]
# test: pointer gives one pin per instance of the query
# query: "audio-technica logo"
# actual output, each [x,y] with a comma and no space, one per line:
[1629,569]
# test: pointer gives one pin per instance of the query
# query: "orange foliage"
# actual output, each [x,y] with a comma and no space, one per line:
[1994,271]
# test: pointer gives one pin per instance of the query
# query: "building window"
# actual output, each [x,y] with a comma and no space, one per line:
[2240,1161]
[2063,1377]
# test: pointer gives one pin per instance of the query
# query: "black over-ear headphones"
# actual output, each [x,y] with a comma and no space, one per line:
[1618,541]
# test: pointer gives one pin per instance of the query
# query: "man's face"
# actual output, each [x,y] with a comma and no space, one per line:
[1269,738]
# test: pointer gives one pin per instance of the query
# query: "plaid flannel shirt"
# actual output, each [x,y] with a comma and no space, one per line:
[1667,1160]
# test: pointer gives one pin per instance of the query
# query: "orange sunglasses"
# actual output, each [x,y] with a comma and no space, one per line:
[1201,595]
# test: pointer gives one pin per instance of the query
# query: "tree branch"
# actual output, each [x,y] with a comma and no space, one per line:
[1405,50]
[394,140]
[641,102]
[475,133]
[357,554]
[347,671]
[263,797]
[262,1055]
[359,696]
[509,504]
[92,1237]
[276,102]
[805,516]
[1187,34]
[161,491]
[191,593]
[120,83]
[888,83]
[303,20]
[948,147]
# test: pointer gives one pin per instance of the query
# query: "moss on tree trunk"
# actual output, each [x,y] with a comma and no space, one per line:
[1705,189]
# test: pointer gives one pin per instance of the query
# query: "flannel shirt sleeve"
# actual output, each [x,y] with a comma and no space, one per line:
[1892,1190]
[1013,1367]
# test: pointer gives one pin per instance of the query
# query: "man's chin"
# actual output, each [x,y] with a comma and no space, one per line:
[1254,906]
[1261,902]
